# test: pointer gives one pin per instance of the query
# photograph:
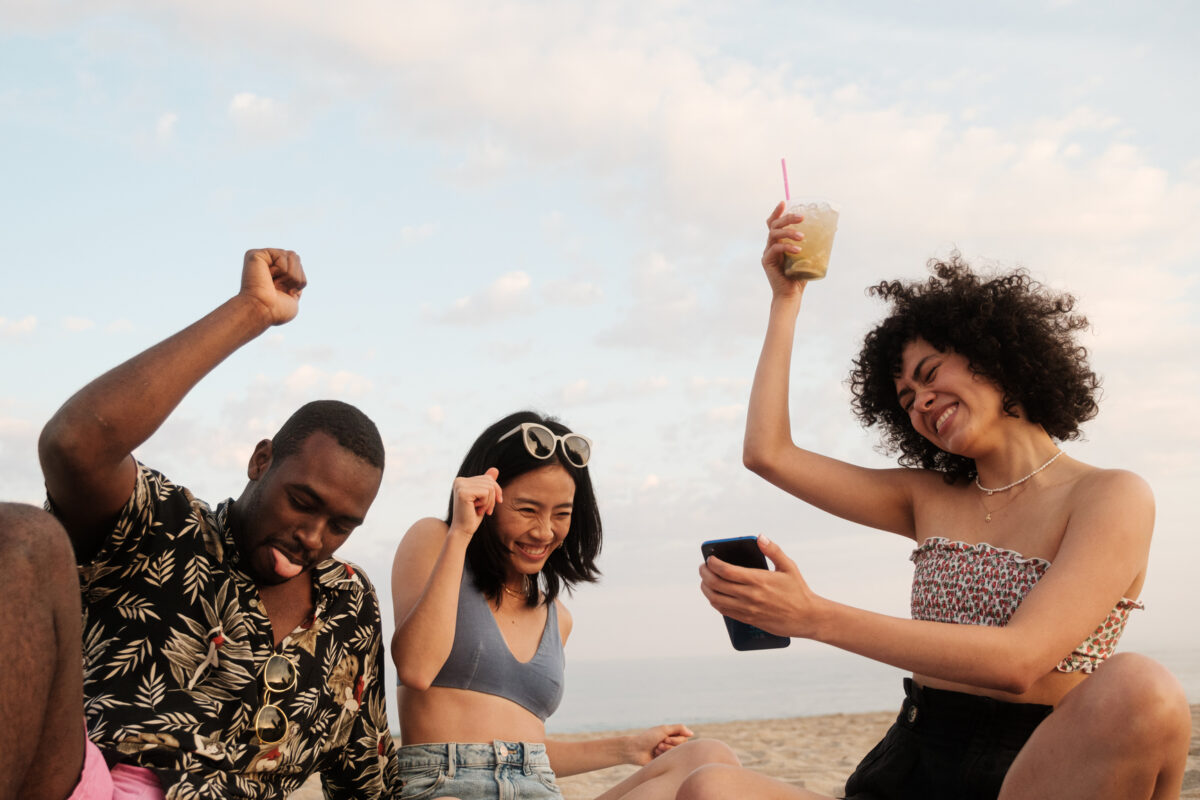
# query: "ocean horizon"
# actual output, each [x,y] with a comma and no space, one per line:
[798,681]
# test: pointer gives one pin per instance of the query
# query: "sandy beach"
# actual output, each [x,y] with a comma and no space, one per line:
[816,753]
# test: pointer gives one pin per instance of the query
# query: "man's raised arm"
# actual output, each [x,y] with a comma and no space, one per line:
[86,447]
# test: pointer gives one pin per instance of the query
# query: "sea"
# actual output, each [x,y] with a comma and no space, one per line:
[805,679]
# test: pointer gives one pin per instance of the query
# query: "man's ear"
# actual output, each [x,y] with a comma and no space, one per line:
[260,460]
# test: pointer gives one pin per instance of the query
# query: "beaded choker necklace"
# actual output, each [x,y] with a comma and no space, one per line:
[1018,482]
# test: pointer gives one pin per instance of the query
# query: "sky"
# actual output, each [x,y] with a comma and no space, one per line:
[561,206]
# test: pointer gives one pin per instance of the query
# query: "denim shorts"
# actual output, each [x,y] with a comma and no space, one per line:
[496,771]
[945,746]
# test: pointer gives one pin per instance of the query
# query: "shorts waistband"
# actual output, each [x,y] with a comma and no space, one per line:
[449,755]
[925,704]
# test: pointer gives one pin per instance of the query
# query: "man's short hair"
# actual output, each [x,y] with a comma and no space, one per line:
[352,429]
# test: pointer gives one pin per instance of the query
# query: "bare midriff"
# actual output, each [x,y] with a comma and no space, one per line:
[441,714]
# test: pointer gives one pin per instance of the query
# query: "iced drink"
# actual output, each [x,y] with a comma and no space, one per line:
[818,227]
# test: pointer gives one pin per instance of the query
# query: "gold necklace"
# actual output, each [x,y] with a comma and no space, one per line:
[988,516]
[514,593]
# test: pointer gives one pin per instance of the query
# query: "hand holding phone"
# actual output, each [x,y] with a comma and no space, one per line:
[743,551]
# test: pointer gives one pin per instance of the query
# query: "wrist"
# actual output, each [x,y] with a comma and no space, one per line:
[826,619]
[255,314]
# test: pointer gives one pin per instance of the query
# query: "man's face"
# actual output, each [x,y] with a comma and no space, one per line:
[296,512]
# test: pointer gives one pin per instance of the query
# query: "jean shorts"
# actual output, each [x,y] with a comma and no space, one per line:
[496,771]
[945,746]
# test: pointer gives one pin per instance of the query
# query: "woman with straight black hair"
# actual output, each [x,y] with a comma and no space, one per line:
[480,629]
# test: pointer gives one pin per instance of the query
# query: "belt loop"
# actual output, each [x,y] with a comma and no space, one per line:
[451,759]
[525,765]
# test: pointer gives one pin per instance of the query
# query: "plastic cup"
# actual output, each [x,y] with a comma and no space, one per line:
[818,227]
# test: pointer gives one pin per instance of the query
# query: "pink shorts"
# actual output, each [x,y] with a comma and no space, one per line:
[124,782]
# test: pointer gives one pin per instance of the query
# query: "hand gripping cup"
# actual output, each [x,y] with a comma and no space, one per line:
[818,227]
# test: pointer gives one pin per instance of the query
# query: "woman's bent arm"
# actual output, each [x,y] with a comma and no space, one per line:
[426,575]
[1102,558]
[879,498]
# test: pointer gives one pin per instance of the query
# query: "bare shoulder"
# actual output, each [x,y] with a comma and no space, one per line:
[426,529]
[565,621]
[421,542]
[1105,487]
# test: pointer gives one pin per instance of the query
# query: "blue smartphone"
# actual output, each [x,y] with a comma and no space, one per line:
[743,551]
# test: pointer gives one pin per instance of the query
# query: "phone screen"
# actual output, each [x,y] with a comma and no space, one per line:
[743,551]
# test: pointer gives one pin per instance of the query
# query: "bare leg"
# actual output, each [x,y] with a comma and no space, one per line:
[660,779]
[718,782]
[41,671]
[1121,734]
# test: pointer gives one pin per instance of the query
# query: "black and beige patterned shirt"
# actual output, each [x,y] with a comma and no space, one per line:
[174,640]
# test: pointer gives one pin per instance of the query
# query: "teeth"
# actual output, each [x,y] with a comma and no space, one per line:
[937,426]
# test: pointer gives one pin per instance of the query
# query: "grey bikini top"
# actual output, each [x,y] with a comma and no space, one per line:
[481,661]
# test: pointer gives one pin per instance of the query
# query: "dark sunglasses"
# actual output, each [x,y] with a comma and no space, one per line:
[270,723]
[540,442]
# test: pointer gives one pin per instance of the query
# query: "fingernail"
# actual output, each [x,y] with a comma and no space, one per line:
[762,538]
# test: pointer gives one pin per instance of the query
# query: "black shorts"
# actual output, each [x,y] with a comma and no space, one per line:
[945,746]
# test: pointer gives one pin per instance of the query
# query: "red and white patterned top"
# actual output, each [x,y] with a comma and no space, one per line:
[980,584]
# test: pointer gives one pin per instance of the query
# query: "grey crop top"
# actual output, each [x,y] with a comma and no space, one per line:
[481,661]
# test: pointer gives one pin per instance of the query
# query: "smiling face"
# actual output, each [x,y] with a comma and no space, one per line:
[534,518]
[296,512]
[946,402]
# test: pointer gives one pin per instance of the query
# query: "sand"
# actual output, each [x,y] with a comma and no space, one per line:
[816,753]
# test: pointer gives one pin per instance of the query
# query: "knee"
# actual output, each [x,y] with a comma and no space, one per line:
[1142,705]
[700,752]
[710,782]
[33,545]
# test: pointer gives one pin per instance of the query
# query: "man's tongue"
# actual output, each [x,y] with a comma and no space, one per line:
[283,567]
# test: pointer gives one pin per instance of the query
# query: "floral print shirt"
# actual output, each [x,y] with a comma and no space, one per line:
[979,584]
[174,641]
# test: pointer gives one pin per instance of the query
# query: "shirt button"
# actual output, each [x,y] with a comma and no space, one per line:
[253,603]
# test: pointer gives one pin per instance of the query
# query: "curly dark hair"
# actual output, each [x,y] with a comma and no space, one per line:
[1012,330]
[575,561]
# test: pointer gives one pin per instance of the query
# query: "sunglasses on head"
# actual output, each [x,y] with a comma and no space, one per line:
[540,442]
[270,723]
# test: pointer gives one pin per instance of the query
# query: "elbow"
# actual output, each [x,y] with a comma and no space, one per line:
[411,673]
[757,459]
[1017,676]
[57,447]
[416,679]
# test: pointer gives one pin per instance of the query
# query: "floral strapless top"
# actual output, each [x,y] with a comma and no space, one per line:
[979,584]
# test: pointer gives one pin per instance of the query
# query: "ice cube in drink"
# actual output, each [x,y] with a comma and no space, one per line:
[818,227]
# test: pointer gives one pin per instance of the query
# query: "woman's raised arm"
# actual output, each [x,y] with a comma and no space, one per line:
[878,498]
[426,574]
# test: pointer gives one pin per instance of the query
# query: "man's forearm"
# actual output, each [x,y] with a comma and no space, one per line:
[85,446]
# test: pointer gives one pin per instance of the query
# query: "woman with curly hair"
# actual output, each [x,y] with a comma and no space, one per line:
[1027,561]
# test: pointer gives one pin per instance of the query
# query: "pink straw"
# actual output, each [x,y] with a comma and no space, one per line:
[787,195]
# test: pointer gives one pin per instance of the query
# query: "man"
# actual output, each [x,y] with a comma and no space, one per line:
[225,653]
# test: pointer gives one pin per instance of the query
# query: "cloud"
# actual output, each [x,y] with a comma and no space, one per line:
[12,328]
[164,129]
[411,234]
[507,296]
[308,381]
[572,293]
[78,324]
[259,117]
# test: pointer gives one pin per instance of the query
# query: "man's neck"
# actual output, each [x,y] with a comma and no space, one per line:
[287,604]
